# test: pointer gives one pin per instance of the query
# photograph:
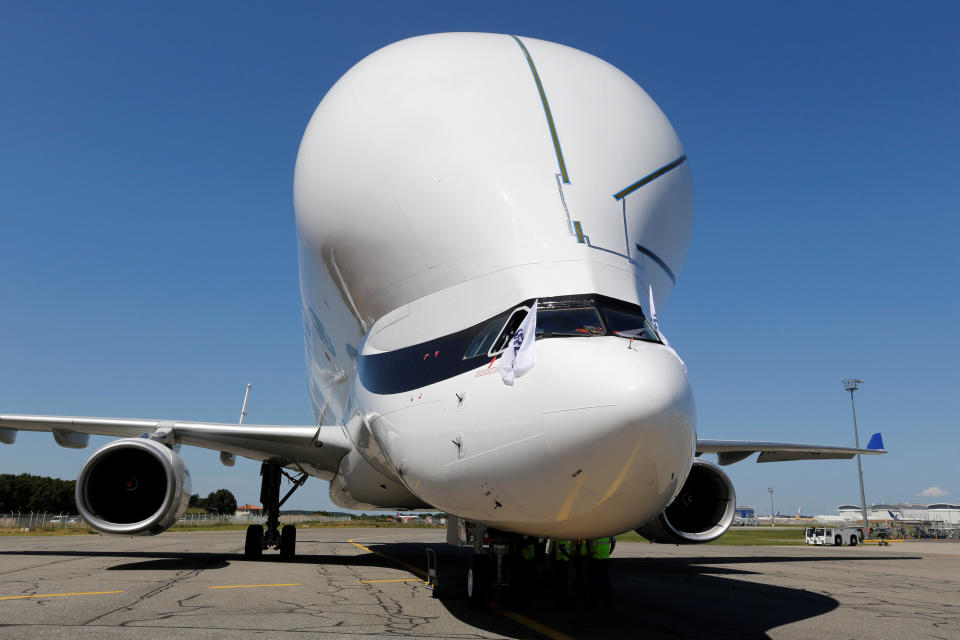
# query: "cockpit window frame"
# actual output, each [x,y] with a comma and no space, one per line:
[490,352]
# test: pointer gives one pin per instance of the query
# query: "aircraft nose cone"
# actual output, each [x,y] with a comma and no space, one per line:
[622,427]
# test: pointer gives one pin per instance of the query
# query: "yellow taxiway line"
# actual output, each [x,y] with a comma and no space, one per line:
[543,629]
[59,595]
[397,580]
[253,586]
[417,570]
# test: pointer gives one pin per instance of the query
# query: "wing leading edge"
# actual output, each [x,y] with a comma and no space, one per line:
[730,451]
[319,448]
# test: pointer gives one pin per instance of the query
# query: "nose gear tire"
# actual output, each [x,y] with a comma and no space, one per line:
[479,581]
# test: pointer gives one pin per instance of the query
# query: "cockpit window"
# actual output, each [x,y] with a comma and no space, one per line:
[628,324]
[484,340]
[565,316]
[584,321]
[511,326]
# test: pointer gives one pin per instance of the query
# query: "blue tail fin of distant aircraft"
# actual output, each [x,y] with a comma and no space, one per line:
[876,442]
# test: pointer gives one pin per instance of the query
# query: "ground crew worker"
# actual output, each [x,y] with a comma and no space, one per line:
[525,570]
[581,556]
[528,551]
[519,565]
[559,551]
[600,550]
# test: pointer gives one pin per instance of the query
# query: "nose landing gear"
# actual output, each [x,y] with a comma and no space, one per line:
[502,566]
[285,539]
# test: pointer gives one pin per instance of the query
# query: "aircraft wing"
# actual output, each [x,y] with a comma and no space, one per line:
[318,447]
[730,451]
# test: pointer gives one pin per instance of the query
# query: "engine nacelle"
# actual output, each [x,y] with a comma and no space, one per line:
[701,512]
[133,486]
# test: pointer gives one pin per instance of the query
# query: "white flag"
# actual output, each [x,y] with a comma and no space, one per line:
[663,338]
[518,358]
[654,321]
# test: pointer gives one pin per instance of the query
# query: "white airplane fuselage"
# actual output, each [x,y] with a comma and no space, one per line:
[445,182]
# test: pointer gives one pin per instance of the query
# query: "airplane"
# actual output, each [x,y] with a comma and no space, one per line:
[449,191]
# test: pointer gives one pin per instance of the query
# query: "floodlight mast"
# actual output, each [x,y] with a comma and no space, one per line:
[852,385]
[773,514]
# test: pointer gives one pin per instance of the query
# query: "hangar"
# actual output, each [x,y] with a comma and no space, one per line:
[941,519]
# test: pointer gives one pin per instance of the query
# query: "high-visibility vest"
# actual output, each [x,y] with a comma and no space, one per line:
[560,550]
[600,549]
[527,551]
[582,547]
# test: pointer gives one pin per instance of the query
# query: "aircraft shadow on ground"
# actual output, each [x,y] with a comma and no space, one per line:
[653,598]
[179,561]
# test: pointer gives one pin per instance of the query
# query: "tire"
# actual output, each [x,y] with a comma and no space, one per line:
[853,540]
[478,582]
[253,545]
[838,541]
[288,542]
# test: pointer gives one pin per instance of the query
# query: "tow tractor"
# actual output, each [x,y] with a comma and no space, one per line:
[835,536]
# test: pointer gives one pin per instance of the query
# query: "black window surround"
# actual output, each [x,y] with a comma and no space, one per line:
[447,356]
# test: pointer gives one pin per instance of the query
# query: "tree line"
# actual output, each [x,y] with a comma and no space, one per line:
[220,501]
[26,493]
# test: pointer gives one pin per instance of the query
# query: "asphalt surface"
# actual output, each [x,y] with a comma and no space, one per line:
[197,585]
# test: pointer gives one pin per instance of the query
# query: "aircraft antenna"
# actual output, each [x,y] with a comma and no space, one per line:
[227,458]
[243,410]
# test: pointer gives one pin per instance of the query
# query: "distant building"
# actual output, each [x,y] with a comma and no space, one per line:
[745,513]
[745,516]
[940,513]
[249,510]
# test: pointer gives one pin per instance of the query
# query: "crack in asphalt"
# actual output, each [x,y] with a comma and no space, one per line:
[179,576]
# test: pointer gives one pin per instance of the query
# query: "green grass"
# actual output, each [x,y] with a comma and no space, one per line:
[753,536]
[53,531]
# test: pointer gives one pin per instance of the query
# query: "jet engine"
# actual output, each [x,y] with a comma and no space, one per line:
[133,486]
[701,512]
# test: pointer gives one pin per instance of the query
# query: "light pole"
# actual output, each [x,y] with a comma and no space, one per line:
[773,517]
[852,385]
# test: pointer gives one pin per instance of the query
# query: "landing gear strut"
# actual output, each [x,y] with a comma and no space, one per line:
[496,568]
[285,540]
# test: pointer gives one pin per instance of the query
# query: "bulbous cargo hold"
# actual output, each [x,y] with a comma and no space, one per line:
[133,486]
[446,177]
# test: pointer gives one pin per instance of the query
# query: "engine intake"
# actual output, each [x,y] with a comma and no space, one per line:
[133,486]
[701,512]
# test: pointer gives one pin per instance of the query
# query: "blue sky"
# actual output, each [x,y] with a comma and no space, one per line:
[148,255]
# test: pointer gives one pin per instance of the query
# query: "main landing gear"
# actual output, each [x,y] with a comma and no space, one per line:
[284,539]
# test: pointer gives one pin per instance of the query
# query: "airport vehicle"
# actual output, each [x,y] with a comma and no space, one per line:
[836,536]
[446,187]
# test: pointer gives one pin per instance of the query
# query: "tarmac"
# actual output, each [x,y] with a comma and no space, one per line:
[367,582]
